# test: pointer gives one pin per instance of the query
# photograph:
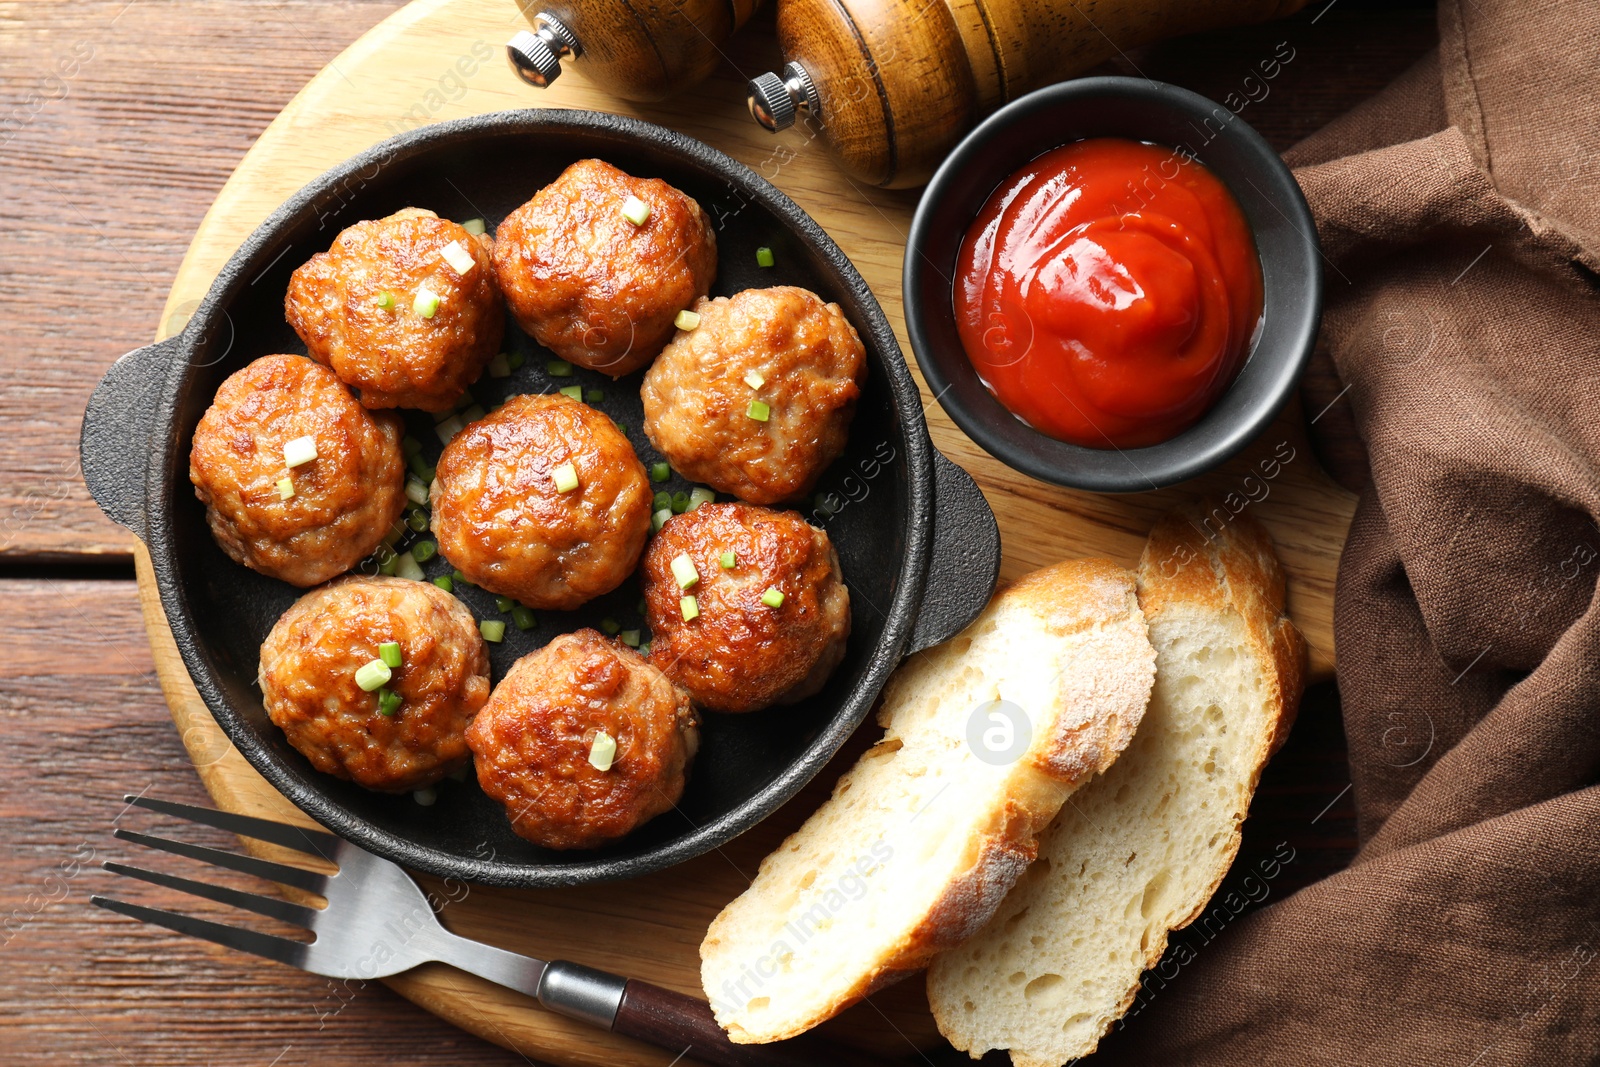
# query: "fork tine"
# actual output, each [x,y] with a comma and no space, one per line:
[277,872]
[315,842]
[282,949]
[272,907]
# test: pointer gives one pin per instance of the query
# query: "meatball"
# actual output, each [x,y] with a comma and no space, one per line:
[770,628]
[536,742]
[757,399]
[363,307]
[338,507]
[594,287]
[308,681]
[505,516]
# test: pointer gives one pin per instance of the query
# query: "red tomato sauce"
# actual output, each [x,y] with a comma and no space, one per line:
[1108,291]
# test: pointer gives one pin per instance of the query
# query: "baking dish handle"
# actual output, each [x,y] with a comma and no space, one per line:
[114,444]
[966,557]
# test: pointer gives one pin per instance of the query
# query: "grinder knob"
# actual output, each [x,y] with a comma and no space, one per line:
[537,56]
[774,102]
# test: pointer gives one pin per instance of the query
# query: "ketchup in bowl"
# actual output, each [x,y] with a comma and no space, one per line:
[1107,292]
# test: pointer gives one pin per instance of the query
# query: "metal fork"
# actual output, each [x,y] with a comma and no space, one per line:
[378,922]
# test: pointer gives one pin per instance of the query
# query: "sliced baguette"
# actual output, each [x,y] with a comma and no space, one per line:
[922,838]
[1139,851]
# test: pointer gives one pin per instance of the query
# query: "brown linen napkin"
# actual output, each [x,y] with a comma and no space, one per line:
[1459,213]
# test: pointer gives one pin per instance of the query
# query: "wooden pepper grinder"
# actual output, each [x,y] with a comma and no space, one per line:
[642,51]
[896,83]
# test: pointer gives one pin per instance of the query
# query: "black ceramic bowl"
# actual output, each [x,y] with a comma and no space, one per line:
[918,545]
[1139,110]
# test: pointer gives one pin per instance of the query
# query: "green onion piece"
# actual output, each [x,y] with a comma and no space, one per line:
[444,582]
[390,653]
[406,567]
[764,257]
[728,561]
[610,626]
[410,445]
[493,630]
[299,451]
[475,227]
[515,360]
[659,519]
[558,368]
[758,410]
[385,300]
[701,495]
[574,391]
[662,499]
[388,702]
[689,607]
[566,478]
[440,416]
[523,618]
[660,472]
[635,210]
[417,520]
[499,366]
[602,752]
[772,598]
[387,565]
[427,796]
[686,320]
[372,675]
[623,430]
[423,551]
[421,467]
[644,649]
[452,425]
[825,505]
[594,396]
[285,488]
[683,570]
[416,491]
[461,579]
[425,303]
[630,638]
[472,414]
[504,603]
[397,531]
[755,379]
[641,607]
[680,502]
[460,260]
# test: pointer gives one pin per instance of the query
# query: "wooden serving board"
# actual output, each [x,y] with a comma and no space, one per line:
[443,59]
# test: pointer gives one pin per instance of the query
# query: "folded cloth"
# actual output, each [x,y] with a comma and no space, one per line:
[1459,213]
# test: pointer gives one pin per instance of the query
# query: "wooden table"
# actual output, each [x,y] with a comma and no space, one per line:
[119,120]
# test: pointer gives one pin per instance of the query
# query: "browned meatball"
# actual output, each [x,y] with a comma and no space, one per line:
[782,348]
[502,517]
[308,681]
[592,286]
[356,306]
[535,742]
[740,653]
[343,502]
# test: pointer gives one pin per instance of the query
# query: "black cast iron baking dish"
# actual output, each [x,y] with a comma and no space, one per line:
[918,544]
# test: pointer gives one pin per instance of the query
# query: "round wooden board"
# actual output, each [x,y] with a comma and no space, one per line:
[441,59]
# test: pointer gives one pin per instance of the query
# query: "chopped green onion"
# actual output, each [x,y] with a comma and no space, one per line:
[440,416]
[594,396]
[701,495]
[630,638]
[427,796]
[423,551]
[610,626]
[680,502]
[396,532]
[662,499]
[493,630]
[515,360]
[472,414]
[416,491]
[641,607]
[523,618]
[285,488]
[758,410]
[458,257]
[602,752]
[425,303]
[300,450]
[448,428]
[689,608]
[826,505]
[410,445]
[372,675]
[388,564]
[444,582]
[421,467]
[504,603]
[754,379]
[686,320]
[566,478]
[461,579]
[475,227]
[728,561]
[683,570]
[558,368]
[388,702]
[635,210]
[772,598]
[406,567]
[574,391]
[385,300]
[660,472]
[623,430]
[644,649]
[390,653]
[659,519]
[417,520]
[764,257]
[499,366]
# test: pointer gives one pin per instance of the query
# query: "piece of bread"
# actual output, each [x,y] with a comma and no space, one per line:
[1139,851]
[922,838]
